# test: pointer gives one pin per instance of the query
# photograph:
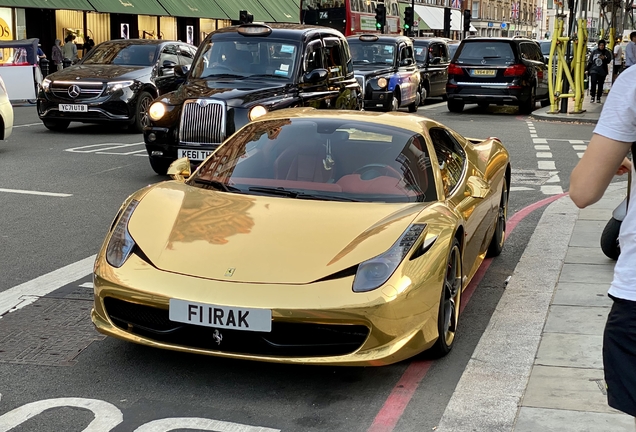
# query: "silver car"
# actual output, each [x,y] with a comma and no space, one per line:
[6,113]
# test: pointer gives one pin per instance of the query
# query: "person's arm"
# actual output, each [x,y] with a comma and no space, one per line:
[603,159]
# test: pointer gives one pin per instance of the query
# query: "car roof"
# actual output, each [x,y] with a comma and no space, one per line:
[430,39]
[282,30]
[497,39]
[410,122]
[381,38]
[127,42]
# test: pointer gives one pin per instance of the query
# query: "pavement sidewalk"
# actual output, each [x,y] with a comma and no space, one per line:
[591,114]
[538,366]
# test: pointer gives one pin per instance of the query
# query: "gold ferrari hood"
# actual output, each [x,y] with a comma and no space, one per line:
[261,239]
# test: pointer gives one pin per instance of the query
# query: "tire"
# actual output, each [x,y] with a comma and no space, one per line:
[416,103]
[56,125]
[545,103]
[499,236]
[423,95]
[141,113]
[530,104]
[395,103]
[609,239]
[444,97]
[483,105]
[160,166]
[455,106]
[450,302]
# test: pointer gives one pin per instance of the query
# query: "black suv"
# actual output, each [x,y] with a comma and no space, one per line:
[502,71]
[115,82]
[239,74]
[432,58]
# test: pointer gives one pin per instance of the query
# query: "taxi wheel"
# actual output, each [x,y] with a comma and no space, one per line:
[423,95]
[395,103]
[413,107]
[159,166]
[141,112]
[448,315]
[56,125]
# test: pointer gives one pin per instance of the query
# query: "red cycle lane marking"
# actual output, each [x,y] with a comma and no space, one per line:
[394,406]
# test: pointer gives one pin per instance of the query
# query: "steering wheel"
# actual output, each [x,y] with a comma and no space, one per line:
[221,66]
[371,171]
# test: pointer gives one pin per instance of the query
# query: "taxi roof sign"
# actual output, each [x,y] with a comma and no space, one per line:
[369,37]
[254,30]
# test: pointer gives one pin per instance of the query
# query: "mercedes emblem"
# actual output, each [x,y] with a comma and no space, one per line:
[74,91]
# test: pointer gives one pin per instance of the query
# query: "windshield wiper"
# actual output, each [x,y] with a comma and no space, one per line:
[300,195]
[263,76]
[224,75]
[216,184]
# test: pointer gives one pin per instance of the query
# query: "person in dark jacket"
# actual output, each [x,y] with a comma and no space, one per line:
[597,70]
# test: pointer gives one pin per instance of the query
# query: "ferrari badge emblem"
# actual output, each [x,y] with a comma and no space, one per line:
[230,272]
[217,336]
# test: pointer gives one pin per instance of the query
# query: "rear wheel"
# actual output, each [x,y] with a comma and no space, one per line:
[455,106]
[159,166]
[448,316]
[499,237]
[483,105]
[56,125]
[416,103]
[423,95]
[529,105]
[545,102]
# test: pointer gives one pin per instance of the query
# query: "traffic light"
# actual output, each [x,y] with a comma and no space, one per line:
[466,20]
[245,17]
[409,18]
[447,22]
[380,16]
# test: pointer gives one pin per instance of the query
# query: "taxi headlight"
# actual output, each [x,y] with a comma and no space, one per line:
[257,111]
[382,82]
[374,272]
[121,243]
[156,111]
[46,83]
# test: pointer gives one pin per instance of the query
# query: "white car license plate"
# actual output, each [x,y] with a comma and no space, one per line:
[207,315]
[195,155]
[73,108]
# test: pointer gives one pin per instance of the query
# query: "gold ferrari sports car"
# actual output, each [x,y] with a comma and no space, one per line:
[308,237]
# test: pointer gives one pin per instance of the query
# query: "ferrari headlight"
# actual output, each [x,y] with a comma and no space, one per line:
[156,111]
[46,83]
[114,86]
[257,111]
[382,82]
[121,243]
[375,272]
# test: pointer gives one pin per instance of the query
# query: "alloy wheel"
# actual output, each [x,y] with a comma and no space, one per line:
[452,296]
[143,111]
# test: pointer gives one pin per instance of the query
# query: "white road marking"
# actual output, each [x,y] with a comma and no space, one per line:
[533,135]
[24,294]
[579,147]
[546,165]
[576,141]
[539,140]
[544,154]
[551,189]
[554,179]
[27,125]
[124,154]
[94,148]
[28,192]
[542,147]
[428,107]
[580,155]
[107,415]
[520,188]
[86,285]
[170,424]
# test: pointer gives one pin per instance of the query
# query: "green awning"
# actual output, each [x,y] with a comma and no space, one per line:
[421,23]
[82,5]
[283,10]
[193,8]
[133,7]
[233,7]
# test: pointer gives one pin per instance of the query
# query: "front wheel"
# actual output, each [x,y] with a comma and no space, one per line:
[160,166]
[448,315]
[609,239]
[455,106]
[141,113]
[395,103]
[56,125]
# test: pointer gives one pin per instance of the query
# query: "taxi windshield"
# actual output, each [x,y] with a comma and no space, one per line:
[322,159]
[246,58]
[371,53]
[120,54]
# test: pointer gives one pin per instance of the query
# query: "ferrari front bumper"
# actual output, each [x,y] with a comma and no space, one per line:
[319,323]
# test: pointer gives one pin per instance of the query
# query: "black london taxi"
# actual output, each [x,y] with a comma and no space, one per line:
[240,73]
[114,83]
[386,69]
[432,57]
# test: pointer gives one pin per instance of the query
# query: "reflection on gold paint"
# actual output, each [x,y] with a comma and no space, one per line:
[212,217]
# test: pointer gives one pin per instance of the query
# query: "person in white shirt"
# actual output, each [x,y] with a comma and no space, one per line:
[604,157]
[630,51]
[618,59]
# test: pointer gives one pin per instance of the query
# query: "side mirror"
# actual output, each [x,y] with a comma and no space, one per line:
[436,60]
[406,62]
[181,71]
[315,76]
[168,64]
[179,170]
[477,187]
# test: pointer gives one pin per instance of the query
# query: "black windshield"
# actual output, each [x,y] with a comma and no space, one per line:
[122,54]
